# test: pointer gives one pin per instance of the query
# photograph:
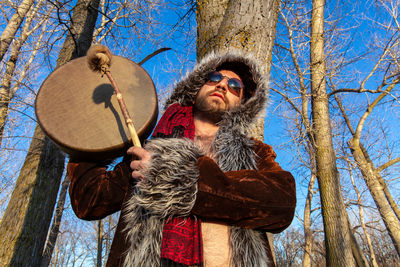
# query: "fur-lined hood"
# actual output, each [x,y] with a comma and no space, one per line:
[245,65]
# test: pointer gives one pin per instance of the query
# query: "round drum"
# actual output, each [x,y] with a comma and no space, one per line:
[78,110]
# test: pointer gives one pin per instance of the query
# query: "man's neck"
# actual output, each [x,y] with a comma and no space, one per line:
[205,131]
[203,126]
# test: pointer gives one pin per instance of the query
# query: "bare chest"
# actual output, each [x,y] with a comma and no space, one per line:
[215,244]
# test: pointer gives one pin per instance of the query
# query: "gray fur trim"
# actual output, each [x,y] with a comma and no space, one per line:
[233,150]
[169,190]
[186,90]
[144,235]
[249,248]
[170,186]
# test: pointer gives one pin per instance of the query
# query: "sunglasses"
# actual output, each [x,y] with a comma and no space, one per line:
[235,85]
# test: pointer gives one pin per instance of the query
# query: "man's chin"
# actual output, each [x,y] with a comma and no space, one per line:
[212,108]
[212,114]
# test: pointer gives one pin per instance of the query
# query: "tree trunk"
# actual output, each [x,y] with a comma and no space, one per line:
[99,243]
[247,25]
[376,189]
[383,199]
[379,179]
[308,236]
[25,223]
[387,207]
[337,232]
[361,215]
[13,25]
[358,254]
[55,227]
[6,94]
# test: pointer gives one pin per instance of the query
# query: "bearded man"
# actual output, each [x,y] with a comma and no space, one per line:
[201,192]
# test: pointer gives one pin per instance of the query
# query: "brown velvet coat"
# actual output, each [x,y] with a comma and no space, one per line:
[262,199]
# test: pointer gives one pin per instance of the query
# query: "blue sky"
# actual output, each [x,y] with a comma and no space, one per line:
[359,24]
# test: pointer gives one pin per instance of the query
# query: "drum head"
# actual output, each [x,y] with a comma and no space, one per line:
[78,110]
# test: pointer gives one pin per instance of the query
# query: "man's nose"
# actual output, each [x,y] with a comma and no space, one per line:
[223,84]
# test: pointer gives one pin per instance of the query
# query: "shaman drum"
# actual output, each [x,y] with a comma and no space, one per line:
[77,109]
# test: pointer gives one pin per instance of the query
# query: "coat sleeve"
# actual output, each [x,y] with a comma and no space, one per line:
[263,199]
[95,192]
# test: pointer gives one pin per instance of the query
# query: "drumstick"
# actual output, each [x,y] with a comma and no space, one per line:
[99,60]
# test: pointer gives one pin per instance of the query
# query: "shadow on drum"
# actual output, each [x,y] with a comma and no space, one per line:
[103,94]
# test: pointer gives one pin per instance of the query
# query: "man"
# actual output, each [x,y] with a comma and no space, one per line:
[201,192]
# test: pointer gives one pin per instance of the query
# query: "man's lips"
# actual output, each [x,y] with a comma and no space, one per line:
[218,95]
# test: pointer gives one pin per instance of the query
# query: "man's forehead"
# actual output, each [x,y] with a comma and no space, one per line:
[230,73]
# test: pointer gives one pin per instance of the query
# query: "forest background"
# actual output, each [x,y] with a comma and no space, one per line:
[361,74]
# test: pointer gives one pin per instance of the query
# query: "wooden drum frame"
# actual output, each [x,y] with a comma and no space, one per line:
[78,110]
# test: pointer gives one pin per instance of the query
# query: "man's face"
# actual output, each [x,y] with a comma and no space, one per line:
[214,99]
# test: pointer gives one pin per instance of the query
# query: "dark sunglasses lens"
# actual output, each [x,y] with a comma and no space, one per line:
[235,84]
[215,77]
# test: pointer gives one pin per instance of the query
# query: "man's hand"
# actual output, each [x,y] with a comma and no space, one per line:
[142,159]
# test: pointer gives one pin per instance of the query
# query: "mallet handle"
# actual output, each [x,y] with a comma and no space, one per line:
[124,110]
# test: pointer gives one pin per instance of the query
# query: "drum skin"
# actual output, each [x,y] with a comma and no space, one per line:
[78,110]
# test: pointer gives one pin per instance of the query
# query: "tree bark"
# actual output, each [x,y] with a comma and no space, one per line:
[368,166]
[99,243]
[358,254]
[379,179]
[337,232]
[376,189]
[361,215]
[13,25]
[248,25]
[6,94]
[55,227]
[308,235]
[25,223]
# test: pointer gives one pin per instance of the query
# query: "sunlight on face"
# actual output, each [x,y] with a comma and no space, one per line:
[215,98]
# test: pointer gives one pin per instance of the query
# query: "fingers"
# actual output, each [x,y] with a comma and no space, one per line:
[139,152]
[138,165]
[142,158]
[137,175]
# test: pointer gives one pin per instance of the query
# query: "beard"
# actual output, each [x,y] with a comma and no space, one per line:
[212,109]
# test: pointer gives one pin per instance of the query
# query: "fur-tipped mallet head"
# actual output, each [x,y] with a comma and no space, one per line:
[99,58]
